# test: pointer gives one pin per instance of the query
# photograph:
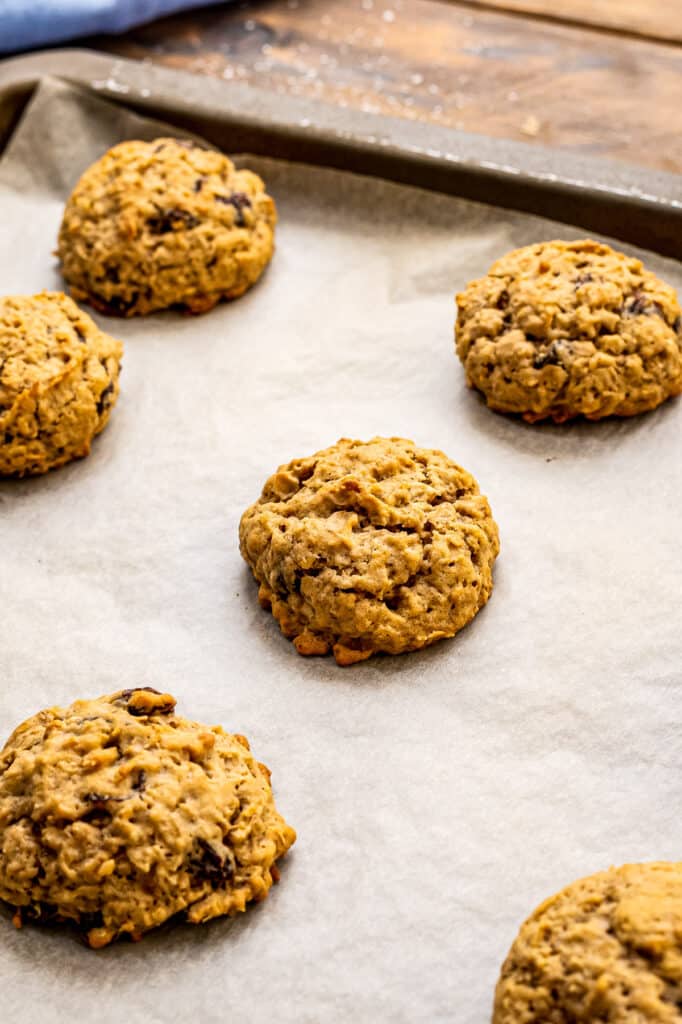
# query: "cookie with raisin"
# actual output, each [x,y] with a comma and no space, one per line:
[117,814]
[59,380]
[168,223]
[564,329]
[370,547]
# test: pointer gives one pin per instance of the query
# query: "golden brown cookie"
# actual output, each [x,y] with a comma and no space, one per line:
[165,223]
[607,948]
[58,382]
[370,546]
[564,329]
[117,814]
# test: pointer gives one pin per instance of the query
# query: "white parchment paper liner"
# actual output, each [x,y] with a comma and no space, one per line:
[438,796]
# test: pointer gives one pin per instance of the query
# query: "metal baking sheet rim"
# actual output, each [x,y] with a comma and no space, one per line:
[639,206]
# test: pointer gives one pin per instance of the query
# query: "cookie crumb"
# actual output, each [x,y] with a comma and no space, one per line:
[531,125]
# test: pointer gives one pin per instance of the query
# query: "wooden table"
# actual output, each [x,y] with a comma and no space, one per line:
[602,78]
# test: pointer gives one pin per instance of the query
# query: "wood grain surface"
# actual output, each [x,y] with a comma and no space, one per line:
[465,65]
[636,17]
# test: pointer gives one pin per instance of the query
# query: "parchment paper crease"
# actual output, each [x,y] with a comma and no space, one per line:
[438,796]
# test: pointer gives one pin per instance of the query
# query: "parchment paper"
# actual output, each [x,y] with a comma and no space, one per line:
[438,796]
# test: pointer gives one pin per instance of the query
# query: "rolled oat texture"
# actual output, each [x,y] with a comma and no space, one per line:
[117,814]
[369,547]
[606,948]
[564,329]
[58,382]
[166,223]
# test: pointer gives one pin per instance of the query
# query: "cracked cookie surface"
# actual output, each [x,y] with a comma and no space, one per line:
[607,948]
[370,547]
[117,814]
[166,223]
[58,382]
[564,329]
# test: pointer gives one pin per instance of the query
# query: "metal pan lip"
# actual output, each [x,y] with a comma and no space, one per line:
[636,205]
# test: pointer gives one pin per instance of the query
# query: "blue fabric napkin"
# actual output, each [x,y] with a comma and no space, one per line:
[26,24]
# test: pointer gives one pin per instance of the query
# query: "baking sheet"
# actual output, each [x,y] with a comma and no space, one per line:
[438,796]
[639,204]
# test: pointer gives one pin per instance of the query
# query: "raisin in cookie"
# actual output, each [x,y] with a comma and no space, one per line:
[116,814]
[370,546]
[607,948]
[165,223]
[564,329]
[58,382]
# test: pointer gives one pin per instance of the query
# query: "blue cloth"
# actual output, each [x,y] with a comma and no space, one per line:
[26,24]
